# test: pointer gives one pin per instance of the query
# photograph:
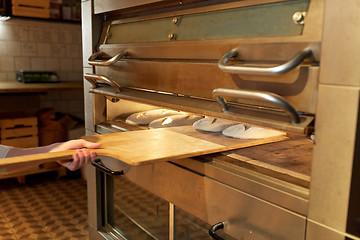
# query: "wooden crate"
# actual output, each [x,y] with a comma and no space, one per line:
[23,132]
[31,8]
[19,132]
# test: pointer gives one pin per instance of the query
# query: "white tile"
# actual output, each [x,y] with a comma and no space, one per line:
[67,95]
[66,65]
[52,64]
[53,95]
[76,105]
[44,49]
[73,37]
[2,77]
[37,64]
[13,48]
[61,106]
[46,104]
[3,45]
[79,114]
[20,33]
[42,97]
[58,50]
[11,77]
[5,31]
[68,37]
[37,35]
[57,36]
[73,51]
[63,76]
[28,49]
[22,63]
[75,76]
[77,64]
[7,64]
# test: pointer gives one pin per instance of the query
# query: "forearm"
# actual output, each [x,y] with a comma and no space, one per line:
[81,157]
[15,152]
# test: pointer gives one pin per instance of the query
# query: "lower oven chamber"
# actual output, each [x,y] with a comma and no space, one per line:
[182,199]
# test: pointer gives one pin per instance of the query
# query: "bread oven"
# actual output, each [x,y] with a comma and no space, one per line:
[284,65]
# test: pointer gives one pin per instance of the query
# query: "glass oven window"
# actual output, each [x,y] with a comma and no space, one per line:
[132,212]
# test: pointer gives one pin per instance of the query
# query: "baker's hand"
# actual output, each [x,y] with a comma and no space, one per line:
[81,157]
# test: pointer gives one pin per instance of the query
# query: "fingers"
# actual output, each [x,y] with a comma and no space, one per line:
[81,143]
[91,145]
[81,158]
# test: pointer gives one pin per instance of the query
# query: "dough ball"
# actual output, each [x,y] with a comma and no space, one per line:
[146,117]
[234,131]
[252,132]
[174,121]
[212,124]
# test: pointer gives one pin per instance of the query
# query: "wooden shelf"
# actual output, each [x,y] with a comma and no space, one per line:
[18,87]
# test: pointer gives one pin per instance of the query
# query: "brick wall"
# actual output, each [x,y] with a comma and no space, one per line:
[43,46]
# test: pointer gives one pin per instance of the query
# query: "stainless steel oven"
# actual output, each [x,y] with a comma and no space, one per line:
[288,65]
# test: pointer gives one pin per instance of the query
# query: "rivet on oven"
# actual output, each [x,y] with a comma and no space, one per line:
[299,17]
[176,20]
[172,36]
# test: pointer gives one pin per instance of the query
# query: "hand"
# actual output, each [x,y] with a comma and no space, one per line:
[81,157]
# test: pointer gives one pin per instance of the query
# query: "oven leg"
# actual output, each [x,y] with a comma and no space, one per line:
[171,221]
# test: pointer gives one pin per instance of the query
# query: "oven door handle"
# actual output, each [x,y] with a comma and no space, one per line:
[93,78]
[272,98]
[214,228]
[99,165]
[94,61]
[270,71]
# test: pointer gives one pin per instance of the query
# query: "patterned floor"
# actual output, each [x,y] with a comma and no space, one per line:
[43,208]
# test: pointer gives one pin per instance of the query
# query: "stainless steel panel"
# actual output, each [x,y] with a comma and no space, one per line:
[276,20]
[338,109]
[339,63]
[91,26]
[87,46]
[245,215]
[197,79]
[279,192]
[317,231]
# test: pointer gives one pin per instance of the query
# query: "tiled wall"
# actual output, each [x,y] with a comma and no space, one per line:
[43,46]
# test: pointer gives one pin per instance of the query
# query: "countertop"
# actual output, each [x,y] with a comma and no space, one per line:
[18,87]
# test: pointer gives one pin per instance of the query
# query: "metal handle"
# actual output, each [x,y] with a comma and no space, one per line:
[272,98]
[96,62]
[271,71]
[214,228]
[92,78]
[99,165]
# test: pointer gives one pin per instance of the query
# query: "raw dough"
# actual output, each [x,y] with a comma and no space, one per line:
[212,124]
[146,117]
[234,130]
[174,120]
[239,131]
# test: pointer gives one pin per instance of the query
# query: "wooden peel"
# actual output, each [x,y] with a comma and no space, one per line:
[147,146]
